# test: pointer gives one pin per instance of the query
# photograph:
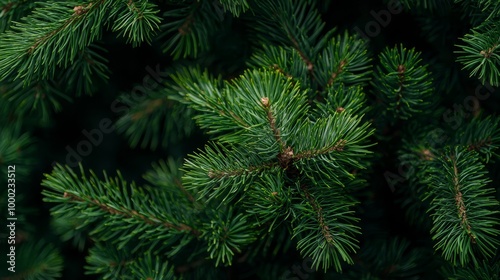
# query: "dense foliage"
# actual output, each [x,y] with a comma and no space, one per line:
[254,139]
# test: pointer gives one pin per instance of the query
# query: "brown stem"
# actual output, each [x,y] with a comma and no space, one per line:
[7,7]
[487,53]
[339,70]
[277,67]
[235,172]
[319,211]
[151,106]
[462,211]
[78,12]
[479,144]
[339,146]
[186,26]
[304,57]
[133,214]
[178,183]
[286,152]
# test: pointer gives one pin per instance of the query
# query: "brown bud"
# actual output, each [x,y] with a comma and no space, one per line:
[78,10]
[401,69]
[265,101]
[486,53]
[427,154]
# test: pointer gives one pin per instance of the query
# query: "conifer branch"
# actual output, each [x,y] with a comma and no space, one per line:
[319,211]
[272,120]
[305,58]
[403,83]
[337,72]
[146,123]
[55,33]
[343,59]
[462,211]
[479,53]
[338,147]
[151,106]
[465,229]
[281,70]
[324,226]
[121,264]
[112,204]
[481,135]
[220,174]
[341,98]
[291,30]
[151,220]
[188,27]
[285,60]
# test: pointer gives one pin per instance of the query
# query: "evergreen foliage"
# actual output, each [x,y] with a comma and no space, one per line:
[275,130]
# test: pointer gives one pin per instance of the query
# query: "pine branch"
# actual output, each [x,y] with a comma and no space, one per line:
[116,208]
[270,200]
[121,264]
[485,271]
[222,172]
[227,110]
[343,60]
[403,83]
[188,28]
[38,100]
[236,7]
[37,260]
[16,148]
[55,33]
[480,53]
[228,234]
[481,135]
[462,207]
[325,227]
[22,50]
[341,98]
[146,122]
[291,23]
[136,20]
[285,60]
[334,147]
[13,10]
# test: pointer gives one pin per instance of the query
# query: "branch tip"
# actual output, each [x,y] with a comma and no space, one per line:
[265,101]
